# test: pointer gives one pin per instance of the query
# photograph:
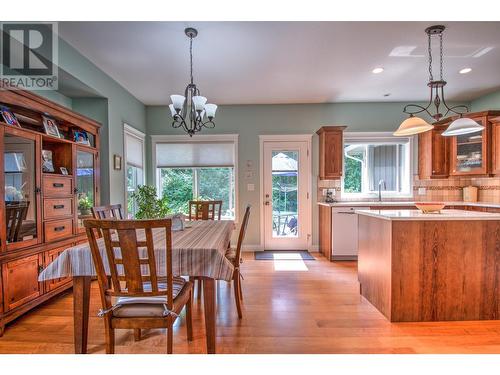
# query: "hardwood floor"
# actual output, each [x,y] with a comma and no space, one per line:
[317,310]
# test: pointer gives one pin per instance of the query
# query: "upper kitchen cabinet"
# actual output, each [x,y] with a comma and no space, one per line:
[433,153]
[473,154]
[495,145]
[331,140]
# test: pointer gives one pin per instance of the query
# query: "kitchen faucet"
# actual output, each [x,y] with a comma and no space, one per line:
[380,183]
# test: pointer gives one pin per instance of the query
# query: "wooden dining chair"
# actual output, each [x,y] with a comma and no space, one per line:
[15,213]
[108,212]
[205,210]
[135,296]
[111,211]
[235,257]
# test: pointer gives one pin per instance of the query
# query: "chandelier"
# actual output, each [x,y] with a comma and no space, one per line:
[190,111]
[413,124]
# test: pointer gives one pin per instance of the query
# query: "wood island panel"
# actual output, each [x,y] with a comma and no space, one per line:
[437,270]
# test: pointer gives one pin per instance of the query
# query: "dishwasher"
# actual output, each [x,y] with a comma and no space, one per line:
[345,233]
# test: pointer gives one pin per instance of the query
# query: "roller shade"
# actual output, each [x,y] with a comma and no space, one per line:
[134,151]
[195,154]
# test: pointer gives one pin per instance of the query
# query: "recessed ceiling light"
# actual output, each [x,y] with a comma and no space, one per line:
[388,94]
[377,70]
[465,70]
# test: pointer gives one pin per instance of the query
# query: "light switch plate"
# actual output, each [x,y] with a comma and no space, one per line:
[250,187]
[422,191]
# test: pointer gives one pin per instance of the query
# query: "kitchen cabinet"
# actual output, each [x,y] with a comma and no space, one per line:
[433,153]
[331,148]
[495,145]
[325,231]
[474,153]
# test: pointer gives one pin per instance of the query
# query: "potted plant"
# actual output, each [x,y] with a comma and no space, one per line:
[149,206]
[84,205]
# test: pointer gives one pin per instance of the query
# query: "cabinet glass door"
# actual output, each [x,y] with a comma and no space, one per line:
[21,216]
[85,185]
[470,152]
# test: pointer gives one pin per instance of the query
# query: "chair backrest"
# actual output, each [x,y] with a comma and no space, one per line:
[131,261]
[108,212]
[15,213]
[205,210]
[243,230]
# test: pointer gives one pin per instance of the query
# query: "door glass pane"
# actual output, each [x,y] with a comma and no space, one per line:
[469,151]
[285,170]
[20,196]
[85,185]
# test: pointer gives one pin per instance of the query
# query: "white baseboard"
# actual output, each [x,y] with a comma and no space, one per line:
[258,247]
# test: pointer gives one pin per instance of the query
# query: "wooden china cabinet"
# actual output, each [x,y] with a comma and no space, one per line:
[42,210]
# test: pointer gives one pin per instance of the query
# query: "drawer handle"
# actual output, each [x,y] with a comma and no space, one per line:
[58,229]
[58,206]
[58,184]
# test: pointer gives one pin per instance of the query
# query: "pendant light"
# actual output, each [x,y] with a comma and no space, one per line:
[414,125]
[462,125]
[411,126]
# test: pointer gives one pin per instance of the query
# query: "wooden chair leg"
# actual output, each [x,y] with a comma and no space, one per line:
[199,288]
[236,287]
[170,336]
[137,334]
[240,289]
[189,317]
[110,337]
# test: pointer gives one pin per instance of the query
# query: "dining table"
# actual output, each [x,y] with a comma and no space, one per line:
[198,250]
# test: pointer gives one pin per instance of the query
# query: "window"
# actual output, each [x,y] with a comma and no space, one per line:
[200,169]
[371,159]
[134,166]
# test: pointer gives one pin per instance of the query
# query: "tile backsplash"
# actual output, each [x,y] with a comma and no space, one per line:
[435,189]
[451,189]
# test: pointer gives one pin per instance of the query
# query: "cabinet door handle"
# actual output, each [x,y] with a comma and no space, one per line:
[58,229]
[58,206]
[57,184]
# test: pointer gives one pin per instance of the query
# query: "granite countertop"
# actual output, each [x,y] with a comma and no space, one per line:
[418,215]
[403,203]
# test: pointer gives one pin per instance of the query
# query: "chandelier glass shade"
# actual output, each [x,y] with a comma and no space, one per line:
[462,125]
[191,111]
[437,99]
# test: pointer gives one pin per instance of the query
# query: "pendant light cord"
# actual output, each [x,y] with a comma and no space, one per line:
[429,50]
[191,56]
[441,56]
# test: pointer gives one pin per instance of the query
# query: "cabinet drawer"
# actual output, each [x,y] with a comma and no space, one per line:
[57,229]
[57,207]
[57,186]
[20,279]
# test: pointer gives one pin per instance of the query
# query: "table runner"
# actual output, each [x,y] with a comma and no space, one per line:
[196,251]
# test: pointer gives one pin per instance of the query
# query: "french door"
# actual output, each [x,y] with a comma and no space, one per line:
[286,169]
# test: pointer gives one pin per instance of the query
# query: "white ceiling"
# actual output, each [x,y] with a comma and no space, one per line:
[287,62]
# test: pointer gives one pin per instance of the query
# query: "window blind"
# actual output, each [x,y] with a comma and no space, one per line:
[134,150]
[195,154]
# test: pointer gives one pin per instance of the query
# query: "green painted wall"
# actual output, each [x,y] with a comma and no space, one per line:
[490,101]
[249,121]
[117,107]
[56,96]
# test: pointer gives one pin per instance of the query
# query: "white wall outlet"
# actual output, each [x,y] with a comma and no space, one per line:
[323,191]
[250,187]
[422,191]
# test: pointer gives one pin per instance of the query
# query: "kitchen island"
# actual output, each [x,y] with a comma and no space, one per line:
[430,267]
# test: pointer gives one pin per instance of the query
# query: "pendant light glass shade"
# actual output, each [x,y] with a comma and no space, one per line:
[177,101]
[461,126]
[411,126]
